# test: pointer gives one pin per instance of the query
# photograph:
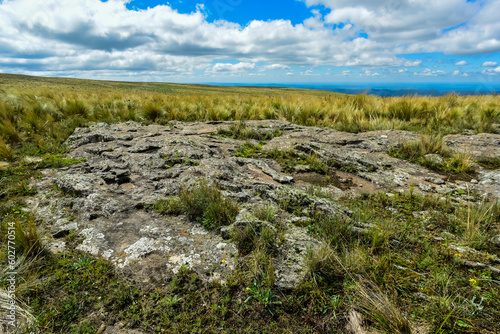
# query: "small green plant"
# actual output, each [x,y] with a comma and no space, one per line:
[83,262]
[263,295]
[248,150]
[169,301]
[58,161]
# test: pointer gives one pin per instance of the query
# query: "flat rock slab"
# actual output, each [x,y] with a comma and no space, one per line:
[108,199]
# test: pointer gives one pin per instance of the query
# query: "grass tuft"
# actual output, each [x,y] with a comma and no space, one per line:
[377,306]
[203,203]
[5,151]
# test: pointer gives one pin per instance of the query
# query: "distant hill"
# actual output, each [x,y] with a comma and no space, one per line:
[405,92]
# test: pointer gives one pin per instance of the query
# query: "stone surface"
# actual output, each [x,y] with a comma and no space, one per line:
[106,200]
[435,159]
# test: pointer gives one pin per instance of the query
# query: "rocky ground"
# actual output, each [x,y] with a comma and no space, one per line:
[107,200]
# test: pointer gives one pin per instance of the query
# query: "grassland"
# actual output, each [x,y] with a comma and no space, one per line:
[397,276]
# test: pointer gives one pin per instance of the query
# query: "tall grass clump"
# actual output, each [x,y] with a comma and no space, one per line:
[27,240]
[430,151]
[377,306]
[76,108]
[241,131]
[152,112]
[323,264]
[203,203]
[24,318]
[5,151]
[403,109]
[9,131]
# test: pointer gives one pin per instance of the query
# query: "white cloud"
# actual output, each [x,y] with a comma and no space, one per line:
[459,73]
[413,63]
[369,73]
[490,63]
[233,68]
[461,63]
[429,72]
[84,34]
[413,26]
[274,67]
[76,36]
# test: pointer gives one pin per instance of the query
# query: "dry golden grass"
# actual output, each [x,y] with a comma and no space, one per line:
[44,110]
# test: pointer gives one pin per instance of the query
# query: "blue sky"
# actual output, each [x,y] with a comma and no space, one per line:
[285,41]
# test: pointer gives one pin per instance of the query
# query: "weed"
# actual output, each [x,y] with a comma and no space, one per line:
[289,159]
[58,161]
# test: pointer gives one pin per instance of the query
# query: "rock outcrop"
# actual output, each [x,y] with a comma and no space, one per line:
[107,199]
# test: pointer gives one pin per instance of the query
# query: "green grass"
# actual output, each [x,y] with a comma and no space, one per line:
[248,150]
[429,151]
[489,163]
[202,203]
[242,131]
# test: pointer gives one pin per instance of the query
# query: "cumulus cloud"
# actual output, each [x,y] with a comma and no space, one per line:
[307,72]
[411,26]
[461,63]
[490,63]
[84,34]
[413,63]
[75,36]
[429,72]
[274,67]
[369,73]
[233,68]
[459,73]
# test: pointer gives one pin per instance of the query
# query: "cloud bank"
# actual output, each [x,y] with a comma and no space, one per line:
[75,36]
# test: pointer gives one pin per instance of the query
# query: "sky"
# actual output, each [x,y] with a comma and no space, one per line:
[254,41]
